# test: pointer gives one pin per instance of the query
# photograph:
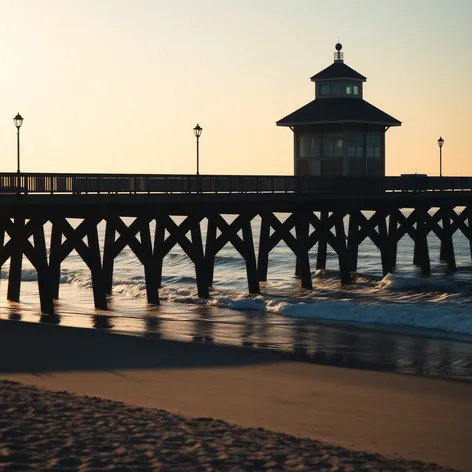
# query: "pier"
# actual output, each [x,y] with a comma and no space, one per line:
[321,212]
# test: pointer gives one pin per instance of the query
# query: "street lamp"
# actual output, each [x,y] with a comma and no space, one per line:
[198,132]
[18,120]
[440,144]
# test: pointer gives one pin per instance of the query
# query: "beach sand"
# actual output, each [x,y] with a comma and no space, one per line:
[403,418]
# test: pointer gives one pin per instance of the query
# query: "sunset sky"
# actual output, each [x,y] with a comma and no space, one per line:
[118,85]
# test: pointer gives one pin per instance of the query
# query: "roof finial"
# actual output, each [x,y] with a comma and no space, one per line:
[338,55]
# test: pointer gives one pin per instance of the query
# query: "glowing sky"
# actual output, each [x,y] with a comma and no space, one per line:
[118,85]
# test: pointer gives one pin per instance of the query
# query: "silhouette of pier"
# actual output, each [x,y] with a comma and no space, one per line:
[317,209]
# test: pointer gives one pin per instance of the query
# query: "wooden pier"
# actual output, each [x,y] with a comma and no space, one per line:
[316,209]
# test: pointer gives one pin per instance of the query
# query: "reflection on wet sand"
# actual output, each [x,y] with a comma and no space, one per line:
[298,340]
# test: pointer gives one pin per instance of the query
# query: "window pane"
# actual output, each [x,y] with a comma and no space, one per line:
[332,146]
[348,90]
[309,145]
[338,148]
[325,89]
[356,90]
[356,145]
[374,146]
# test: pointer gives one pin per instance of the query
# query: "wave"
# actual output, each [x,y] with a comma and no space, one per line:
[397,310]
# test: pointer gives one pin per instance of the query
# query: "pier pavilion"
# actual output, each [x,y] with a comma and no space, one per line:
[339,133]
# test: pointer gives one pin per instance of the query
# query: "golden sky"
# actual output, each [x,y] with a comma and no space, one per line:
[118,85]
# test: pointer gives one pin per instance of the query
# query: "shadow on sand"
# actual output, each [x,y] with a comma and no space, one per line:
[37,348]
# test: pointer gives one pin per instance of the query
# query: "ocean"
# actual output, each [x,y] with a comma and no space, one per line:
[403,323]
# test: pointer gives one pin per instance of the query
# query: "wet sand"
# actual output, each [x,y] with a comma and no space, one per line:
[403,418]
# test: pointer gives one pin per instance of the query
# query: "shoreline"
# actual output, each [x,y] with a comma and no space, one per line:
[412,417]
[339,344]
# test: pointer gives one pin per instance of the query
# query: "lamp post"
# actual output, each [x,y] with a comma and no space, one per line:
[198,132]
[18,120]
[440,144]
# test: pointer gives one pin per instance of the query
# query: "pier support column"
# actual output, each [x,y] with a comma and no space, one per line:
[385,248]
[159,237]
[302,229]
[392,239]
[16,260]
[322,242]
[342,252]
[2,237]
[45,281]
[108,256]
[55,258]
[447,247]
[469,220]
[352,240]
[98,279]
[210,249]
[263,256]
[200,268]
[421,256]
[150,272]
[250,257]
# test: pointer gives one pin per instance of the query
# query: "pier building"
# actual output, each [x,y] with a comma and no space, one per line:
[339,133]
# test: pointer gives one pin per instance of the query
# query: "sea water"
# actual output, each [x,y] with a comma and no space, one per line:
[402,322]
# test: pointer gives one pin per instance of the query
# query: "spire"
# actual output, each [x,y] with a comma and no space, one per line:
[338,55]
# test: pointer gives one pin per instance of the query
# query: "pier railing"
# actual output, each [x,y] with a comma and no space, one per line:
[53,183]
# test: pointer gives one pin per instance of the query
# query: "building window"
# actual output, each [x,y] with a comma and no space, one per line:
[356,145]
[325,89]
[336,89]
[332,146]
[310,145]
[374,146]
[348,90]
[355,88]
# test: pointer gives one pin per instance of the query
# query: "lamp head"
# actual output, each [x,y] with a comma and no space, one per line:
[440,142]
[18,120]
[198,130]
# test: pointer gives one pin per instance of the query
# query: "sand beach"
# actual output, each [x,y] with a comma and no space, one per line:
[81,399]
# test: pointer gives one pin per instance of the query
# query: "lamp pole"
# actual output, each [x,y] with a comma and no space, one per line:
[18,120]
[440,144]
[198,132]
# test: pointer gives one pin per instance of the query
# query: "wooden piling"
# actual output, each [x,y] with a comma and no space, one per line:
[421,243]
[16,260]
[55,258]
[322,241]
[447,247]
[108,255]
[98,279]
[159,237]
[150,272]
[45,287]
[210,248]
[392,238]
[199,260]
[263,256]
[302,227]
[250,257]
[342,251]
[352,241]
[385,248]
